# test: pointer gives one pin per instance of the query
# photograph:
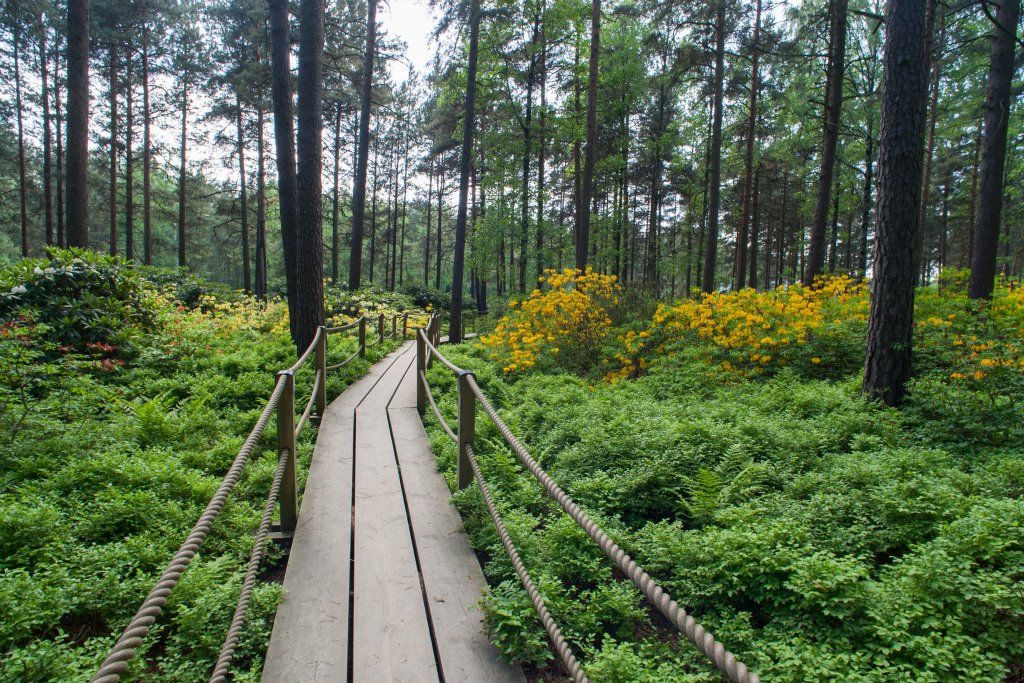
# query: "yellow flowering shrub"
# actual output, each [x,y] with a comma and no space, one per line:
[746,332]
[564,323]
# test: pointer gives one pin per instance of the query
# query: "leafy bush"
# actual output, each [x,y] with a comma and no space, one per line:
[427,297]
[80,297]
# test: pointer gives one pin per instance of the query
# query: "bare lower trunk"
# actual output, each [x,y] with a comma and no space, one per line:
[583,238]
[47,141]
[77,172]
[363,150]
[715,180]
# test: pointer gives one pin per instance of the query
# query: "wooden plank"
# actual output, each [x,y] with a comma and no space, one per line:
[310,637]
[452,577]
[391,636]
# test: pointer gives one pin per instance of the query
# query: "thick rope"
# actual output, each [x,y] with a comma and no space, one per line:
[307,353]
[342,328]
[704,641]
[433,406]
[227,650]
[343,363]
[444,361]
[554,633]
[123,651]
[309,404]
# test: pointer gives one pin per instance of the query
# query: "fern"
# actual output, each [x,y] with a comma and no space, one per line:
[735,480]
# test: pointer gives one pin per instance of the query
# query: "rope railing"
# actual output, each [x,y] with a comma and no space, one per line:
[469,392]
[283,494]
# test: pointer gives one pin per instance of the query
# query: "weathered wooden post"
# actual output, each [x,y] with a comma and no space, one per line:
[467,428]
[286,442]
[321,369]
[394,326]
[362,336]
[421,367]
[405,325]
[380,328]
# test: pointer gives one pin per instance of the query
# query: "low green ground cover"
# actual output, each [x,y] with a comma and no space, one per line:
[820,537]
[122,404]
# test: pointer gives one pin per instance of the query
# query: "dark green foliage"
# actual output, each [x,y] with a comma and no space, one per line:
[820,537]
[81,297]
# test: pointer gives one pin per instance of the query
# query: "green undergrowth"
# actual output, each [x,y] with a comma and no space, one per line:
[110,451]
[820,537]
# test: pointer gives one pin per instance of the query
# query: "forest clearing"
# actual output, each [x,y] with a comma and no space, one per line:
[705,322]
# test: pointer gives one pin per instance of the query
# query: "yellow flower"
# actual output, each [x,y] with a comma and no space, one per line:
[816,360]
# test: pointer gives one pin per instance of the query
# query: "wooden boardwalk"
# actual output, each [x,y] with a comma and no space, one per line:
[381,583]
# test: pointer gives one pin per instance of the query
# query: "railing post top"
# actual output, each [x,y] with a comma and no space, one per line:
[465,374]
[287,373]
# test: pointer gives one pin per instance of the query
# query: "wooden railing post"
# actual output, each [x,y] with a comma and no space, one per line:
[405,325]
[394,326]
[286,442]
[467,428]
[362,336]
[421,366]
[380,328]
[321,368]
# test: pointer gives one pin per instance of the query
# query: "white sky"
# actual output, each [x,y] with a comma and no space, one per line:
[413,22]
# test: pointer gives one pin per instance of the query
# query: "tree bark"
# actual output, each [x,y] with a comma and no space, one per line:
[583,236]
[430,206]
[465,168]
[865,221]
[77,172]
[901,148]
[22,187]
[748,165]
[539,246]
[261,208]
[243,195]
[755,229]
[833,107]
[715,179]
[129,161]
[182,173]
[113,150]
[147,154]
[993,157]
[334,196]
[284,142]
[310,238]
[363,150]
[933,111]
[59,126]
[44,92]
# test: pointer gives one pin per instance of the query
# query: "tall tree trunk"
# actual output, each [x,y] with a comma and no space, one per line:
[405,214]
[284,142]
[373,212]
[243,195]
[755,228]
[543,71]
[147,154]
[394,231]
[310,242]
[748,164]
[334,195]
[440,234]
[715,180]
[183,169]
[261,208]
[993,158]
[865,220]
[901,148]
[113,150]
[77,172]
[524,226]
[22,187]
[833,107]
[972,204]
[577,148]
[933,111]
[129,161]
[465,168]
[363,150]
[44,92]
[583,237]
[58,121]
[430,206]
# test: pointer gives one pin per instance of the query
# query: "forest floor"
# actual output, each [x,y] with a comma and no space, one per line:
[725,445]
